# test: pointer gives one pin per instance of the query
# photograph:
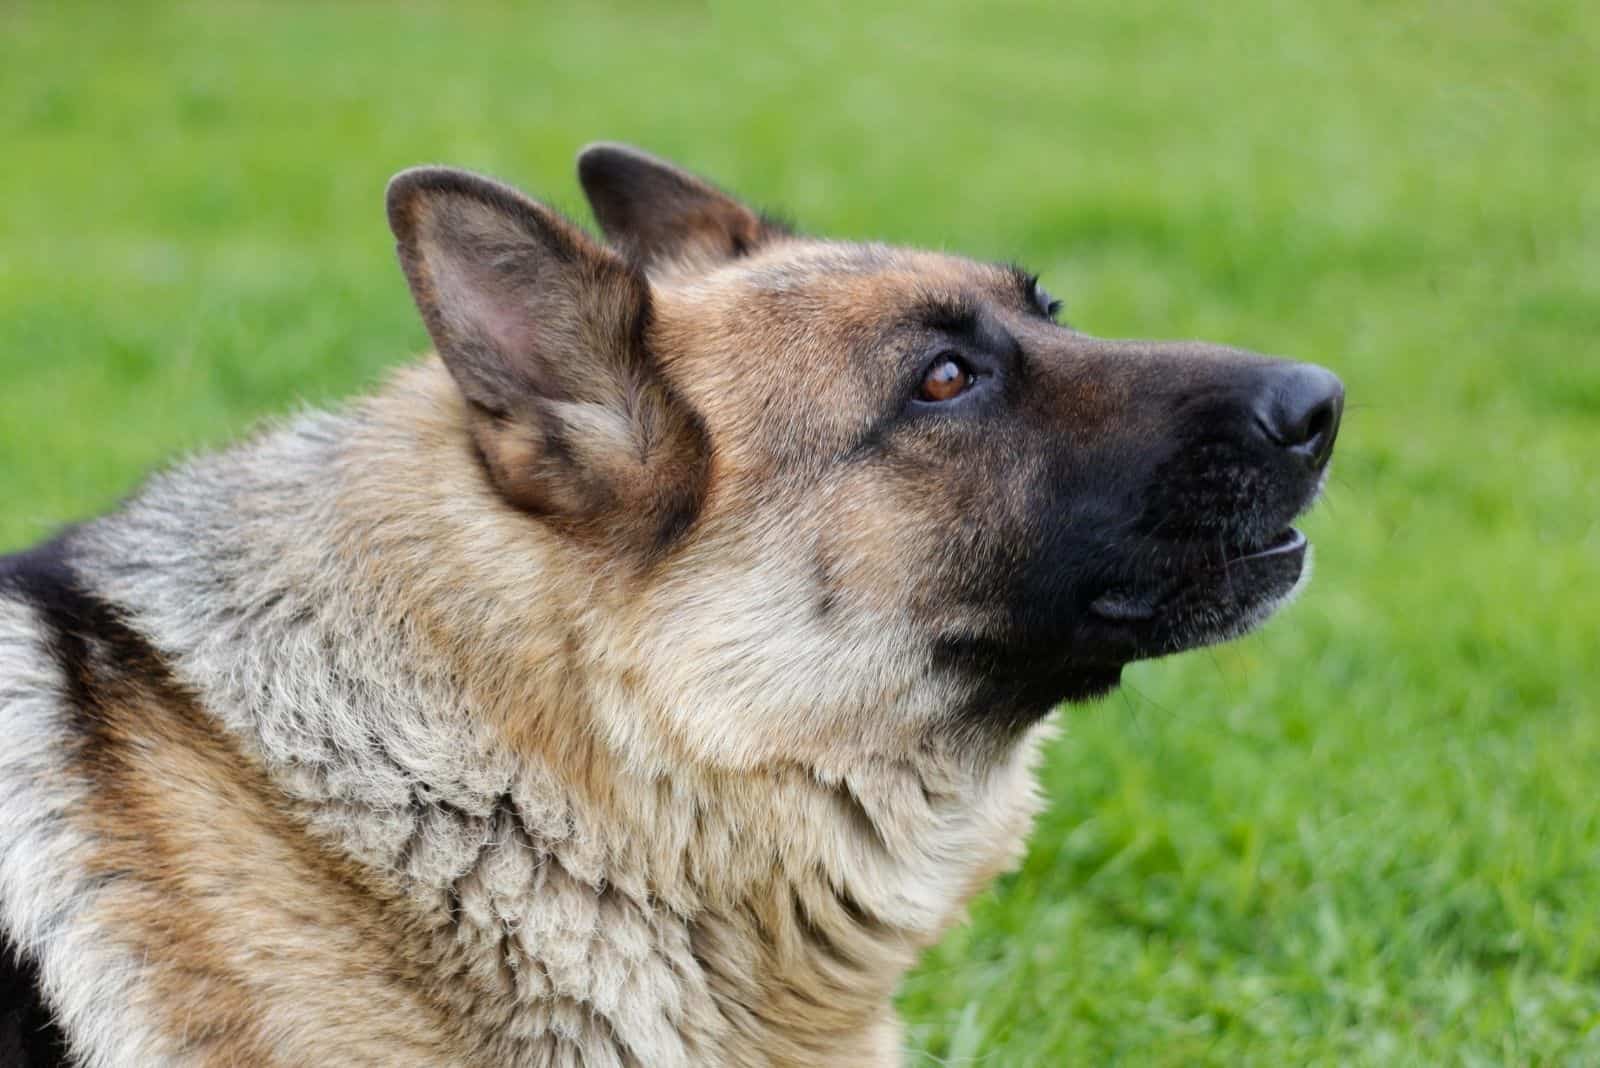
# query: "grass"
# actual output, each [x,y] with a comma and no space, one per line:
[1367,836]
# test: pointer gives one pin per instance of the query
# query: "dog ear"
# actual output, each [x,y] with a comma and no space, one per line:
[545,333]
[652,210]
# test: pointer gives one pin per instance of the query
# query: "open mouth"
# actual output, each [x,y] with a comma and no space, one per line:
[1203,594]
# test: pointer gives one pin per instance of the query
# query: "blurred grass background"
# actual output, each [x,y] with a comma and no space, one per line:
[1370,835]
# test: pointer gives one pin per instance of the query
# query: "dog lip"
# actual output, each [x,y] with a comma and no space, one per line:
[1127,604]
[1291,540]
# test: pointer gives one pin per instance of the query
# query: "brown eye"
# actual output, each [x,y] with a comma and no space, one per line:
[947,379]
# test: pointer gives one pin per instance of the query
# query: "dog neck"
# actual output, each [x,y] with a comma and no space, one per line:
[427,711]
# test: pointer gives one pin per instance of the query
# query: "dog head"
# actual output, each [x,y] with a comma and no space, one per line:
[844,495]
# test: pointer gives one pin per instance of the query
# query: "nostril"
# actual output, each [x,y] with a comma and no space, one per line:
[1320,422]
[1301,411]
[1320,430]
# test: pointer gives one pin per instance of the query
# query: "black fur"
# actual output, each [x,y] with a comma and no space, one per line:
[1015,685]
[29,1035]
[98,652]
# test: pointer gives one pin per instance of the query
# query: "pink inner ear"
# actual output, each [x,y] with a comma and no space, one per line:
[476,302]
[481,293]
[520,303]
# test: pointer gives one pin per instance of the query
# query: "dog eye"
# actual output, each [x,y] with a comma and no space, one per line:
[947,379]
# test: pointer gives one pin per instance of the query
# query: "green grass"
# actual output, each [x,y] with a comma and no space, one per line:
[1370,835]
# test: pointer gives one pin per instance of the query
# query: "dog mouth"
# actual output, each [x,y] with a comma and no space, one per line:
[1175,596]
[1199,594]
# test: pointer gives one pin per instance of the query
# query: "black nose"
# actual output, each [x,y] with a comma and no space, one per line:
[1299,409]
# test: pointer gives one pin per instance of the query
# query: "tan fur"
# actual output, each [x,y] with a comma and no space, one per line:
[302,952]
[240,917]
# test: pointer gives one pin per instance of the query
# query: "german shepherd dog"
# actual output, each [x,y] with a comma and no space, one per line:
[643,680]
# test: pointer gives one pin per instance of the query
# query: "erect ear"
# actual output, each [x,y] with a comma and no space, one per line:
[545,332]
[652,210]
